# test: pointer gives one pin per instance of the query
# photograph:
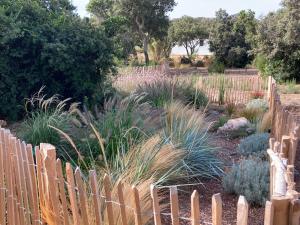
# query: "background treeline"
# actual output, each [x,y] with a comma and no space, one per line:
[44,42]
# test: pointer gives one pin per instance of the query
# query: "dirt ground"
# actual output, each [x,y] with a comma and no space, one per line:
[229,155]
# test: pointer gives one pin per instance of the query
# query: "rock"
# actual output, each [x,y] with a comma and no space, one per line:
[234,124]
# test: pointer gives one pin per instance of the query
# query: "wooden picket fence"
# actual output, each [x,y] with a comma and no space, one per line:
[282,154]
[35,189]
[234,89]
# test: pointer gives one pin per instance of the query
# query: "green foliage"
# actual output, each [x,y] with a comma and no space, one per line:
[232,37]
[222,91]
[278,40]
[230,109]
[216,67]
[291,87]
[220,122]
[249,178]
[185,127]
[258,104]
[164,91]
[45,43]
[254,145]
[189,32]
[44,113]
[146,19]
[251,114]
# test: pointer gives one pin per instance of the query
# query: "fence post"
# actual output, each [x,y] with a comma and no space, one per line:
[294,216]
[155,202]
[122,204]
[269,213]
[137,206]
[242,211]
[216,209]
[195,208]
[96,196]
[174,205]
[281,210]
[109,206]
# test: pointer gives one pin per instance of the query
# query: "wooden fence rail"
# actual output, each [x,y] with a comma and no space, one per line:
[35,188]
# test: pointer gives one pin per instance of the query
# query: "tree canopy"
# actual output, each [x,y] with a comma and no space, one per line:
[189,32]
[46,43]
[278,41]
[232,37]
[146,18]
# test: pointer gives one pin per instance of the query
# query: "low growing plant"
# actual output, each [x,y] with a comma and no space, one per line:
[249,178]
[254,145]
[258,104]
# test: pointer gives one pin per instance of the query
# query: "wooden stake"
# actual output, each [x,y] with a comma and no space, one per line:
[96,196]
[156,208]
[122,204]
[195,208]
[242,211]
[216,209]
[174,205]
[109,206]
[137,207]
[72,194]
[82,196]
[269,213]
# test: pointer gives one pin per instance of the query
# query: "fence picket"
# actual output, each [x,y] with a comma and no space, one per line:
[195,208]
[82,196]
[137,206]
[155,203]
[174,205]
[95,196]
[61,186]
[122,204]
[216,209]
[72,194]
[2,178]
[109,206]
[242,211]
[269,213]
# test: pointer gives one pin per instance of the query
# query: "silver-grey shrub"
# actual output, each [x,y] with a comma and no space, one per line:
[254,145]
[249,178]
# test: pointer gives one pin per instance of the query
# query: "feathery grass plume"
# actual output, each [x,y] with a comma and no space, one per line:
[43,112]
[265,123]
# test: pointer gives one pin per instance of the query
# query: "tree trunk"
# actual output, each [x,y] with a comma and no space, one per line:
[145,45]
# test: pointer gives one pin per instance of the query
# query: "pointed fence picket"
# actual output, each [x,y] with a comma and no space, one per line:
[36,188]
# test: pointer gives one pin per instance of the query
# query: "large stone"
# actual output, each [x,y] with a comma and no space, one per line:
[234,124]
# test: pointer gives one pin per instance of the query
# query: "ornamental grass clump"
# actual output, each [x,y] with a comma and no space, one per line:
[249,178]
[186,128]
[42,113]
[165,91]
[254,145]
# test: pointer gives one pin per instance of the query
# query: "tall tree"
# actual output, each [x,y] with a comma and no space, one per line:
[232,38]
[147,18]
[278,40]
[189,32]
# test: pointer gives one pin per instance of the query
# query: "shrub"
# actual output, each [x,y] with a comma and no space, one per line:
[255,144]
[257,95]
[49,45]
[199,63]
[249,178]
[253,115]
[184,60]
[216,67]
[258,104]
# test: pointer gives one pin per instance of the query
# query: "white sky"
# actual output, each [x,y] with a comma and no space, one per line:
[207,8]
